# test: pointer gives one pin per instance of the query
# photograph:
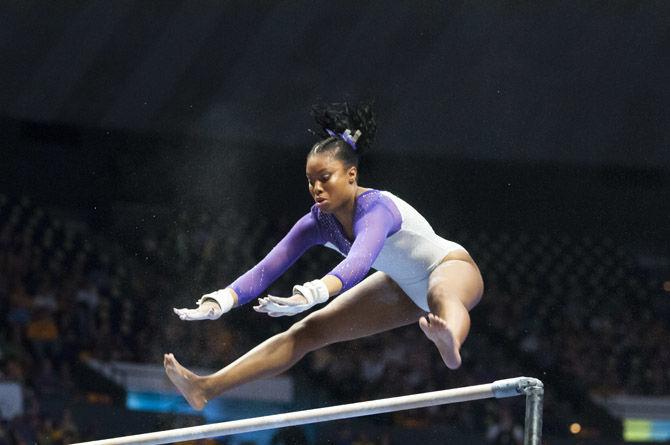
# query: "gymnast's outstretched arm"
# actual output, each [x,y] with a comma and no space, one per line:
[303,235]
[370,232]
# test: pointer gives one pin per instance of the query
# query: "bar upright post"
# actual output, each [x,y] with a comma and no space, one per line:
[533,424]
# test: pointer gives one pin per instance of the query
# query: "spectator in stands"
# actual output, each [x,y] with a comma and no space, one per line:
[42,333]
[505,431]
[47,382]
[19,313]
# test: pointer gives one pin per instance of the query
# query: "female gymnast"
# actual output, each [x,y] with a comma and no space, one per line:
[420,276]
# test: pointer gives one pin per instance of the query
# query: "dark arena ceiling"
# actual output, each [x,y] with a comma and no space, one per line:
[573,82]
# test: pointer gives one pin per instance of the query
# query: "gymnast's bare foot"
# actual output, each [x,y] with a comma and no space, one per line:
[186,382]
[439,333]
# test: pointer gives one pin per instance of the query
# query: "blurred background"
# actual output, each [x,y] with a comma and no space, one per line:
[154,151]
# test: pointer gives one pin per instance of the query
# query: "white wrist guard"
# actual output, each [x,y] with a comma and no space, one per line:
[315,292]
[223,297]
[218,303]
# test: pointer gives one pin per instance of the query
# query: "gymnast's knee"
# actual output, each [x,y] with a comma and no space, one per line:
[441,295]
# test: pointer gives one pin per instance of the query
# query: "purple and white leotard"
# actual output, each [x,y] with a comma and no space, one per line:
[389,236]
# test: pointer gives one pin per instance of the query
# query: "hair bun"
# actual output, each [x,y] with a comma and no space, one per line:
[340,116]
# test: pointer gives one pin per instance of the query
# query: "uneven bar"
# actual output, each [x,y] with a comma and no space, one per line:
[498,389]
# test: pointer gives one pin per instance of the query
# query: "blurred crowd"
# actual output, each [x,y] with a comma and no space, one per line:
[575,306]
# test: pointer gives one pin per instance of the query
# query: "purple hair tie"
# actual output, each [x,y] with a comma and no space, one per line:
[346,136]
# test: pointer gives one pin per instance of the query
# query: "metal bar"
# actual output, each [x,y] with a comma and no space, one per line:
[533,422]
[359,409]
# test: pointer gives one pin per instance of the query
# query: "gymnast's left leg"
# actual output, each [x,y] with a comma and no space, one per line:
[454,288]
[376,304]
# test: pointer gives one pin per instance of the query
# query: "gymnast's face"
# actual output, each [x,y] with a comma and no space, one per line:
[331,183]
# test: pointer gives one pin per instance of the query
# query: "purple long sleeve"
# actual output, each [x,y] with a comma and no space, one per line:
[375,218]
[303,235]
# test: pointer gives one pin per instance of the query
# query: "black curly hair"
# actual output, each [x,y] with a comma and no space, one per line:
[339,117]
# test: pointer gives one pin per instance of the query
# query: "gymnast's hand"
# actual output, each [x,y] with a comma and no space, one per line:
[210,306]
[279,306]
[304,297]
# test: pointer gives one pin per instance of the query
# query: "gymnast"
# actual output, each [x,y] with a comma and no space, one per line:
[419,275]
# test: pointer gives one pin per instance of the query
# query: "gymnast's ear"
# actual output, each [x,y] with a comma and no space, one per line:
[352,174]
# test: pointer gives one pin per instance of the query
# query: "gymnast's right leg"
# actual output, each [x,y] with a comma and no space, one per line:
[374,305]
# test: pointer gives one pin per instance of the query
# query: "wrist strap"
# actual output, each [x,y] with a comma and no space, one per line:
[314,291]
[223,297]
